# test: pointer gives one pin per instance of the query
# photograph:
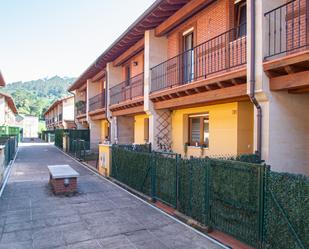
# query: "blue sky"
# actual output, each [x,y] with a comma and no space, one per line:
[43,38]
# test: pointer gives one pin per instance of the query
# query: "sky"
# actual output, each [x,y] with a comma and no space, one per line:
[44,38]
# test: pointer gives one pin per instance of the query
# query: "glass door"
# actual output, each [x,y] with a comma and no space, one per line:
[188,58]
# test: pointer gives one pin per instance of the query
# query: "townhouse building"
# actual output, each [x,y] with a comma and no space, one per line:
[8,110]
[207,78]
[60,115]
[90,105]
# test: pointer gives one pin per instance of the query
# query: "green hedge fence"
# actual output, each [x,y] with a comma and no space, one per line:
[247,200]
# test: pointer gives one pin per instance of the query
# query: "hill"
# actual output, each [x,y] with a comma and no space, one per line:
[34,97]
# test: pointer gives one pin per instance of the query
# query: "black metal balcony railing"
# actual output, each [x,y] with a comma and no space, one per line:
[80,110]
[225,51]
[126,90]
[97,102]
[287,28]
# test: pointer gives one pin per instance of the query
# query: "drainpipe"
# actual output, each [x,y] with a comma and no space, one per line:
[252,80]
[106,96]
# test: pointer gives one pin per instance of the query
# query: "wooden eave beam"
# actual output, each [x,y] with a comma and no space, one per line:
[98,76]
[128,111]
[233,93]
[182,14]
[136,48]
[299,91]
[290,81]
[82,88]
[286,60]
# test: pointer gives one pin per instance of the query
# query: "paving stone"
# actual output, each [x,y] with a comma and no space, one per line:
[17,226]
[116,242]
[90,244]
[17,236]
[16,245]
[100,216]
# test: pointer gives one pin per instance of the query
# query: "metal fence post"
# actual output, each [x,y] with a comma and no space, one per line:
[177,161]
[190,184]
[207,192]
[261,179]
[153,176]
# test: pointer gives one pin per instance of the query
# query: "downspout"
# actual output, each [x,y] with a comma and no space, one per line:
[106,96]
[252,80]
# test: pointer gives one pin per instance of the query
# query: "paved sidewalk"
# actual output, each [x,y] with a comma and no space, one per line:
[100,216]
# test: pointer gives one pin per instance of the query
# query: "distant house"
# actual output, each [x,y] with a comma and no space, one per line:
[30,125]
[60,115]
[8,110]
[2,82]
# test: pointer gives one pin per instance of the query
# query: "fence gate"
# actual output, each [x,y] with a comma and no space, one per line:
[165,177]
[236,199]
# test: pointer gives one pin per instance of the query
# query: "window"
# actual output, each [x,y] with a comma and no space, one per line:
[240,17]
[127,75]
[199,130]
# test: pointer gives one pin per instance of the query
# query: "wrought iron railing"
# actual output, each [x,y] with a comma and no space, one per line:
[225,51]
[80,110]
[97,102]
[287,28]
[126,90]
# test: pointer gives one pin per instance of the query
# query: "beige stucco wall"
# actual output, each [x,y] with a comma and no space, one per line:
[125,129]
[155,52]
[289,132]
[68,108]
[285,141]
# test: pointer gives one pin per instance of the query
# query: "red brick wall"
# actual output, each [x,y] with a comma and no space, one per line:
[59,187]
[208,23]
[296,25]
[135,70]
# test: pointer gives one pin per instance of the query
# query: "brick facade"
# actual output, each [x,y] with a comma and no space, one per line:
[208,23]
[59,187]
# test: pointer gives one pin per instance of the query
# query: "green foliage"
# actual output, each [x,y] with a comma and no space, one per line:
[224,194]
[34,97]
[165,165]
[287,209]
[136,175]
[59,134]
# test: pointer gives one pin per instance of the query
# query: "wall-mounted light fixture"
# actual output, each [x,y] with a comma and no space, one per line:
[135,63]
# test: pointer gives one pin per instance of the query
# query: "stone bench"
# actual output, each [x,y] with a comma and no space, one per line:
[63,179]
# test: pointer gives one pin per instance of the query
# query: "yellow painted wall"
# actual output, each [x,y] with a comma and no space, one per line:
[104,159]
[139,128]
[245,127]
[225,130]
[104,129]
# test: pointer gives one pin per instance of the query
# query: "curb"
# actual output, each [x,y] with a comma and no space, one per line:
[8,172]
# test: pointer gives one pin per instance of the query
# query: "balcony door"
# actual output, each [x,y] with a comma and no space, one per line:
[188,57]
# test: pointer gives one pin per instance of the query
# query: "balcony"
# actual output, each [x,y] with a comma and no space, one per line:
[287,29]
[127,90]
[215,64]
[81,110]
[287,56]
[97,107]
[128,94]
[97,102]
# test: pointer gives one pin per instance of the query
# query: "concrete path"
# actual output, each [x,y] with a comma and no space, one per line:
[100,216]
